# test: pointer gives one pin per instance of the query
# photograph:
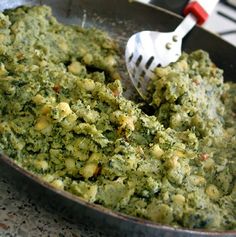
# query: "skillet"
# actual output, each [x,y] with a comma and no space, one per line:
[121,19]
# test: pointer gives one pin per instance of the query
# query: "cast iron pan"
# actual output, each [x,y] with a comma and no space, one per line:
[121,19]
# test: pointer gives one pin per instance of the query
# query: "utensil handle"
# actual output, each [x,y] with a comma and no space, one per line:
[201,9]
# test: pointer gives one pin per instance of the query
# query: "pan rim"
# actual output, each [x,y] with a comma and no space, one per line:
[109,212]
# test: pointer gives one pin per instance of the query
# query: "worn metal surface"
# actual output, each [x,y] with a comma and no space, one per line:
[121,19]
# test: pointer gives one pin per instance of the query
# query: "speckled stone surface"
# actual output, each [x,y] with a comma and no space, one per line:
[21,216]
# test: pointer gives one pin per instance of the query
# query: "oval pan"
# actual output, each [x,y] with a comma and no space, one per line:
[121,19]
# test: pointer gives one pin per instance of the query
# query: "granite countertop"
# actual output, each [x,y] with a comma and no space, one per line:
[22,217]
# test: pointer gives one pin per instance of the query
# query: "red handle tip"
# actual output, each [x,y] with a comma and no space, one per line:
[196,9]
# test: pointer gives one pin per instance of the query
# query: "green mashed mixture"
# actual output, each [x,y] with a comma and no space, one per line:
[64,118]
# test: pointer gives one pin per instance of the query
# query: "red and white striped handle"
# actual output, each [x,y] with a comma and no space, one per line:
[201,9]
